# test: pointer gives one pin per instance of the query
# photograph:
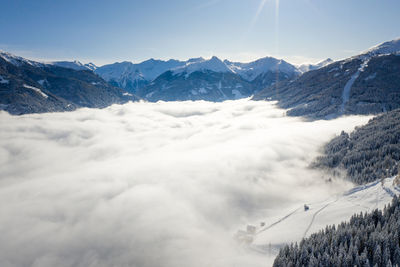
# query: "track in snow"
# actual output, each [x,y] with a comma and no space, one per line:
[278,221]
[315,215]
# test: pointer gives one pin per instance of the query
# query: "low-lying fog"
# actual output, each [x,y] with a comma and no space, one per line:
[153,184]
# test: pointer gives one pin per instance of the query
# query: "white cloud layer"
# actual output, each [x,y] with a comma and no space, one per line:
[152,184]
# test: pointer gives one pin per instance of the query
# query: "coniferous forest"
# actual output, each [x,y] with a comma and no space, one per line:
[370,239]
[369,153]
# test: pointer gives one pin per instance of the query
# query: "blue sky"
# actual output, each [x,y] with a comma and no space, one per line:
[105,31]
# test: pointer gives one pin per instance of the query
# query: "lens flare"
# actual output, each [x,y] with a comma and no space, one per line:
[260,8]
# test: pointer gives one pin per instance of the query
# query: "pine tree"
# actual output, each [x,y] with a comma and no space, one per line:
[377,260]
[369,239]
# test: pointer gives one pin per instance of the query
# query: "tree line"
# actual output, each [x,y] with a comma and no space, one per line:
[370,239]
[369,153]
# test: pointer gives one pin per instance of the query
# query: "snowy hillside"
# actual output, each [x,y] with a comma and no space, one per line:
[17,60]
[295,223]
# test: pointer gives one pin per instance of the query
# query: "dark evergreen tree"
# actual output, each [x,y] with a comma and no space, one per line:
[369,153]
[369,239]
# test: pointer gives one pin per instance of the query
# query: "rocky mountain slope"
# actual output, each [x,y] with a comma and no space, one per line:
[30,87]
[365,84]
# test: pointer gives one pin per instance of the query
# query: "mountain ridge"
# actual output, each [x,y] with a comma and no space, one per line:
[27,86]
[368,83]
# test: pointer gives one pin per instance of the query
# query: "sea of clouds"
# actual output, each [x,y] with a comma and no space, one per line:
[153,184]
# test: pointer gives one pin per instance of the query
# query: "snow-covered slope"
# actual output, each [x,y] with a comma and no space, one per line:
[250,71]
[307,67]
[367,83]
[296,222]
[76,65]
[17,60]
[390,47]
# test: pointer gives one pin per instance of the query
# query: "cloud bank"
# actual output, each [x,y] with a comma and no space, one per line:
[152,184]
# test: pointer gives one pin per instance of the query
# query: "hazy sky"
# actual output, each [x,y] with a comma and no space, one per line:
[105,31]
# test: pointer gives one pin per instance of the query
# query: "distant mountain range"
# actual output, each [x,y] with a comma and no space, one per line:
[147,79]
[368,83]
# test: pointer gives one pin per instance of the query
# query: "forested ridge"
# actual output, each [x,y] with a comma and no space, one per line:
[369,153]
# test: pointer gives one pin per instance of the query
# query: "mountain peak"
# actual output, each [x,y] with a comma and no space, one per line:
[195,59]
[307,67]
[76,65]
[212,64]
[389,47]
[17,60]
[249,71]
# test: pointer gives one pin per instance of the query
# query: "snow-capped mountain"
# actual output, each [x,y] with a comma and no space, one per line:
[216,80]
[17,60]
[250,71]
[307,67]
[264,72]
[132,76]
[390,47]
[76,65]
[136,77]
[214,64]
